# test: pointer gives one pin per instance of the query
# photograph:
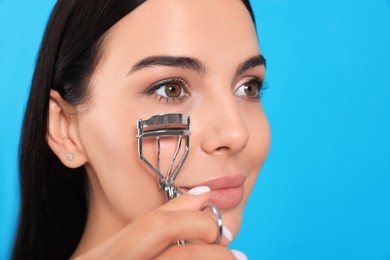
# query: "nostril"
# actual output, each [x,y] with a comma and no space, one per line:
[222,148]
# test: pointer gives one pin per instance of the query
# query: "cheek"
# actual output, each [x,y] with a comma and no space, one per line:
[114,168]
[254,155]
[258,148]
[259,141]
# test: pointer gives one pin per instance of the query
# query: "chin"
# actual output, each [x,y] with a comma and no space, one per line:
[232,219]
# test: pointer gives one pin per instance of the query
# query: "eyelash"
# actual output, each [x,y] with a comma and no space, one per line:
[262,86]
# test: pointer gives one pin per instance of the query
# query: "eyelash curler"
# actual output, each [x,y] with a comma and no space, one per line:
[170,125]
[160,126]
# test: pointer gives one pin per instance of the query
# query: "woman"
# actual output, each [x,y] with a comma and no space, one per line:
[104,64]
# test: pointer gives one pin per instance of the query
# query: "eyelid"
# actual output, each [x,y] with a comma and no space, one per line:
[153,87]
[249,79]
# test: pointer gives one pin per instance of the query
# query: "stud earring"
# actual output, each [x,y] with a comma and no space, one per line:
[69,156]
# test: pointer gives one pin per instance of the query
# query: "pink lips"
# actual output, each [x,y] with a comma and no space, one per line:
[226,192]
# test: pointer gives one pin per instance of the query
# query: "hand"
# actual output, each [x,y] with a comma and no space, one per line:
[154,235]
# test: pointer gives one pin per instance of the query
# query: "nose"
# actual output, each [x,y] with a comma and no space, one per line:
[223,129]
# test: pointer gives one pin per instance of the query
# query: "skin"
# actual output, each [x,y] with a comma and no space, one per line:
[229,131]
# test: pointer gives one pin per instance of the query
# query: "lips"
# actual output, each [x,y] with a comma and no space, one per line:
[226,192]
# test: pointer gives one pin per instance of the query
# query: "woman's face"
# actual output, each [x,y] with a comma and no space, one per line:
[216,85]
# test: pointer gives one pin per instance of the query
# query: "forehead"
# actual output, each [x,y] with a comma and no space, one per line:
[200,28]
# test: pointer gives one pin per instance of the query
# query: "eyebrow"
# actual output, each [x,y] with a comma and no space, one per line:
[192,63]
[252,62]
[170,61]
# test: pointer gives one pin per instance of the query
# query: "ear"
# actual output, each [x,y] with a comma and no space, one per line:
[62,134]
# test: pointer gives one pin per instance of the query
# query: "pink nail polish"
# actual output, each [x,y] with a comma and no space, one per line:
[227,233]
[199,190]
[239,255]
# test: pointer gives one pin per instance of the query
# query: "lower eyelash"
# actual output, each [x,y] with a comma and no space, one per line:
[167,99]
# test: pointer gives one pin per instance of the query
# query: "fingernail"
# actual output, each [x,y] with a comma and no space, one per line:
[227,233]
[239,255]
[199,190]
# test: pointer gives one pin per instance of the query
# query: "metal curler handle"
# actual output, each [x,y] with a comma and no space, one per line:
[171,191]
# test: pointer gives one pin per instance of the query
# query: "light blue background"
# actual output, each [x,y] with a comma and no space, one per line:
[324,192]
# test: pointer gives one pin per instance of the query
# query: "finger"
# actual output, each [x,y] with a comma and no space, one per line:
[160,229]
[195,199]
[196,252]
[180,219]
[191,226]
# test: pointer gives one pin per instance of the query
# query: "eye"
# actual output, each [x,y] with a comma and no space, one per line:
[250,89]
[173,89]
[170,90]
